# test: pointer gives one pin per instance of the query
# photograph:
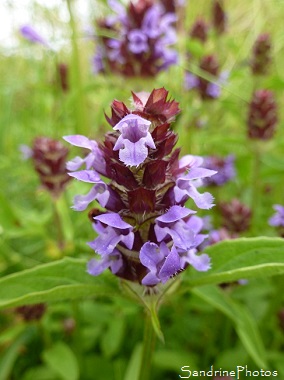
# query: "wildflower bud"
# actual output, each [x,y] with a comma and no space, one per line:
[219,17]
[49,159]
[145,234]
[261,55]
[225,168]
[236,216]
[262,117]
[31,312]
[144,33]
[199,30]
[63,76]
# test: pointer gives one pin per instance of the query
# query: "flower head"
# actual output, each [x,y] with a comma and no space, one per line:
[262,115]
[145,234]
[261,55]
[49,159]
[144,33]
[236,216]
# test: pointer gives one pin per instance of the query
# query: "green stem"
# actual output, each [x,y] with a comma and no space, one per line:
[255,185]
[148,348]
[58,226]
[81,115]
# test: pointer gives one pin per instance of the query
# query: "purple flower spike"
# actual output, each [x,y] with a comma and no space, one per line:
[134,139]
[32,35]
[161,262]
[145,233]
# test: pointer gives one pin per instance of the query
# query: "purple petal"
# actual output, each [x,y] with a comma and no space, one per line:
[150,256]
[199,262]
[203,201]
[196,173]
[75,164]
[105,243]
[96,267]
[174,213]
[133,154]
[79,140]
[86,176]
[99,192]
[171,265]
[113,220]
[150,279]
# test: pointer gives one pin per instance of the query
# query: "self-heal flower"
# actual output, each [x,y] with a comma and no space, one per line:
[145,232]
[49,159]
[134,139]
[144,38]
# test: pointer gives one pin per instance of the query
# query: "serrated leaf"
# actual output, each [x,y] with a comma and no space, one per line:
[64,279]
[62,360]
[240,259]
[245,325]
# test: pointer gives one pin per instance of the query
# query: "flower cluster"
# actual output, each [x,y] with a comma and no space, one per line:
[225,167]
[49,158]
[236,216]
[207,90]
[262,115]
[145,232]
[261,55]
[142,35]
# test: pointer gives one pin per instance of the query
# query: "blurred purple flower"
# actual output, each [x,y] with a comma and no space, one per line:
[144,33]
[32,35]
[277,220]
[224,167]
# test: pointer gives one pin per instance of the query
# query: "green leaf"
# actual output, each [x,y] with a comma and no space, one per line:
[60,280]
[240,259]
[113,337]
[133,368]
[10,355]
[245,325]
[61,359]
